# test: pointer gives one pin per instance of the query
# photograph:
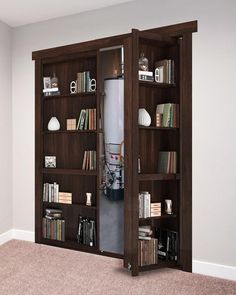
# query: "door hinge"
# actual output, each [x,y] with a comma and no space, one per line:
[129,266]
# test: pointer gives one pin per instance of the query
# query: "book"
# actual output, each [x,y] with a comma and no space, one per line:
[167,66]
[86,233]
[146,73]
[147,251]
[167,162]
[144,205]
[89,160]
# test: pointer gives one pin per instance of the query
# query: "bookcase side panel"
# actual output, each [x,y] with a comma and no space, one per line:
[186,151]
[38,151]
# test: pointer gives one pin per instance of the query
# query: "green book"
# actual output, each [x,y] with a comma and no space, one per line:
[163,162]
[166,115]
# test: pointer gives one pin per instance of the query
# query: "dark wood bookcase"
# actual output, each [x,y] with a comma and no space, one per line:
[171,42]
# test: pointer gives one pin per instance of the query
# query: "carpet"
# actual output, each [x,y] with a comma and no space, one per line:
[27,268]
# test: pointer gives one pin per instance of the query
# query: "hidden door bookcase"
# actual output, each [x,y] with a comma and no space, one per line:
[144,143]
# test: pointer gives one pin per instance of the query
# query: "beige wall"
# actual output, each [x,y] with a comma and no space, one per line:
[6,130]
[214,104]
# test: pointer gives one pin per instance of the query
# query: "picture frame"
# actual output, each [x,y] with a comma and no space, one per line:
[50,161]
[47,82]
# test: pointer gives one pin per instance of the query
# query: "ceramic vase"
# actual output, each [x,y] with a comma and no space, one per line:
[168,206]
[144,118]
[53,124]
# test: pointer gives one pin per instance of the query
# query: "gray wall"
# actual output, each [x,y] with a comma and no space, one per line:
[6,130]
[214,104]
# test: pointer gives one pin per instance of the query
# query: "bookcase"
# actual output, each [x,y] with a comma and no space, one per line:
[118,220]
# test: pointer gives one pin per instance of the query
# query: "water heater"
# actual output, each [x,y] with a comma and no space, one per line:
[114,138]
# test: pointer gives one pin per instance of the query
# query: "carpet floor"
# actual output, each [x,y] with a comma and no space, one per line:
[28,268]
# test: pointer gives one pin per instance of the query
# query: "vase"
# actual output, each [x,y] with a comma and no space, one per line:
[88,199]
[53,124]
[144,118]
[168,206]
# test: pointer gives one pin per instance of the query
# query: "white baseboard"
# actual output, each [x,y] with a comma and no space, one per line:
[5,237]
[214,270]
[24,235]
[18,235]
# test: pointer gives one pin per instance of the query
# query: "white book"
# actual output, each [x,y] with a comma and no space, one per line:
[147,205]
[140,195]
[50,89]
[146,73]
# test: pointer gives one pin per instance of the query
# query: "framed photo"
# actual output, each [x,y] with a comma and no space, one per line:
[50,161]
[47,82]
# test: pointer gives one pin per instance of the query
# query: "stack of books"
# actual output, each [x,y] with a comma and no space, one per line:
[51,91]
[169,113]
[145,76]
[87,119]
[148,252]
[89,160]
[144,232]
[65,198]
[167,162]
[86,231]
[54,225]
[166,71]
[155,209]
[144,205]
[51,192]
[83,82]
[168,249]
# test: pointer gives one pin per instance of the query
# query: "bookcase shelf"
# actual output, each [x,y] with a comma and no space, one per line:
[69,131]
[70,205]
[156,85]
[157,128]
[160,264]
[69,171]
[152,177]
[70,244]
[163,216]
[77,95]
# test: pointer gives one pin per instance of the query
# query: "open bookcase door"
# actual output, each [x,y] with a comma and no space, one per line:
[144,144]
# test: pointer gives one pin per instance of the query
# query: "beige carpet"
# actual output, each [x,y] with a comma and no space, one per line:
[27,268]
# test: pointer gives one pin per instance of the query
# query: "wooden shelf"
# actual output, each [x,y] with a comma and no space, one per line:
[157,128]
[156,85]
[71,205]
[69,131]
[160,264]
[82,94]
[164,216]
[69,171]
[70,244]
[151,177]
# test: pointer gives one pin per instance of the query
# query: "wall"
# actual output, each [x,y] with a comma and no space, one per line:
[214,120]
[6,130]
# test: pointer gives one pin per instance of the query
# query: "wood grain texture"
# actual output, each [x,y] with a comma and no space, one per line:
[186,151]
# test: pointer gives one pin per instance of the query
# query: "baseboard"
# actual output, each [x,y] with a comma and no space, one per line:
[24,235]
[5,237]
[214,270]
[18,235]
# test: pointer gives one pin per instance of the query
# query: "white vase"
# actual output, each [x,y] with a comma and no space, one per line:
[53,124]
[144,118]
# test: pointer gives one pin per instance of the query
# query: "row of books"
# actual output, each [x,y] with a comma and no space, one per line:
[164,71]
[169,114]
[167,162]
[148,252]
[144,232]
[146,208]
[86,231]
[87,119]
[83,82]
[168,249]
[51,194]
[89,160]
[53,225]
